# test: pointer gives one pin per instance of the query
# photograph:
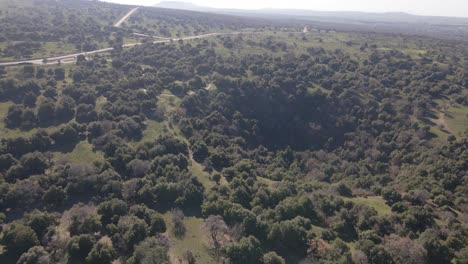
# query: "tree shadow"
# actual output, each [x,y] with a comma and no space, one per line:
[67,147]
[7,257]
[190,211]
[427,121]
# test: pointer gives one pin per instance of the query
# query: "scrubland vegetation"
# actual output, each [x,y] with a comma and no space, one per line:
[265,147]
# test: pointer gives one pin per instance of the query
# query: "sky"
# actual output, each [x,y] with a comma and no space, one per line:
[457,8]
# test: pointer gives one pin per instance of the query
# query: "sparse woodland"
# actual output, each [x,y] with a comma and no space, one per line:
[274,147]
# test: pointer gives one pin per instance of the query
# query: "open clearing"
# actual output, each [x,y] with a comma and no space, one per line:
[376,202]
[194,240]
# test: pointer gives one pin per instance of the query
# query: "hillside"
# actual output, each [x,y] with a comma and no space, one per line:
[197,137]
[395,22]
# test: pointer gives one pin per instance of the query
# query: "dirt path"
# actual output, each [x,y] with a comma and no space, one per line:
[123,19]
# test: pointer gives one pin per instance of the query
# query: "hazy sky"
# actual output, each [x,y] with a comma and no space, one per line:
[419,7]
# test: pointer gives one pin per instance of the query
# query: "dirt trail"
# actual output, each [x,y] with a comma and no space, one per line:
[125,17]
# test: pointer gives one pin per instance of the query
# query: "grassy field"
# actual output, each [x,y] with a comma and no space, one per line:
[268,182]
[376,202]
[450,119]
[194,240]
[204,177]
[153,130]
[47,50]
[14,133]
[100,102]
[457,119]
[82,153]
[169,101]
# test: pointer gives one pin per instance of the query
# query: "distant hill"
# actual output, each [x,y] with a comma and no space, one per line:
[332,16]
[183,6]
[392,22]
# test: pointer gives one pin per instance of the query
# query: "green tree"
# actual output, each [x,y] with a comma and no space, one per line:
[46,112]
[34,255]
[150,251]
[200,151]
[158,225]
[111,210]
[273,258]
[40,221]
[289,234]
[437,250]
[248,250]
[80,246]
[59,74]
[55,196]
[102,253]
[18,238]
[391,195]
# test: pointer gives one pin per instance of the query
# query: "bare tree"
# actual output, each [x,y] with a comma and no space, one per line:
[217,230]
[236,231]
[405,250]
[220,233]
[360,257]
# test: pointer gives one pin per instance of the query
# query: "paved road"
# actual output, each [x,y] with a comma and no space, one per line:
[70,58]
[149,36]
[55,60]
[125,17]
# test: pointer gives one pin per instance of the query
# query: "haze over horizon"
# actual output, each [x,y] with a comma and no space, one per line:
[453,8]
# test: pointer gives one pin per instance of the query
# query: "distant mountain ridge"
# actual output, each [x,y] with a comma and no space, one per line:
[181,6]
[328,16]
